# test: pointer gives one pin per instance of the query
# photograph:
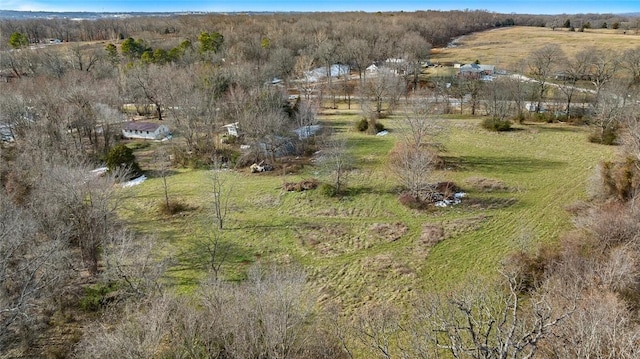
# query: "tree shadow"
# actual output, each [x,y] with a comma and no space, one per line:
[338,126]
[561,129]
[507,164]
[198,257]
[158,173]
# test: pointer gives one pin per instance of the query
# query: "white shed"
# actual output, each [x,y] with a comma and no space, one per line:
[145,130]
[232,129]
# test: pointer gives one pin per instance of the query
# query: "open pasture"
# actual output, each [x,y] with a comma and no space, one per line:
[366,246]
[508,46]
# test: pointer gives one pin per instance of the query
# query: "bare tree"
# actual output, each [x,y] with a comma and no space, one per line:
[602,68]
[542,66]
[33,268]
[337,161]
[576,69]
[264,317]
[630,61]
[83,58]
[415,50]
[498,97]
[356,52]
[490,324]
[381,93]
[412,165]
[473,88]
[306,86]
[631,133]
[609,112]
[140,332]
[415,157]
[163,165]
[147,86]
[377,328]
[132,263]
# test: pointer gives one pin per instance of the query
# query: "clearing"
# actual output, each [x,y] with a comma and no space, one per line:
[366,246]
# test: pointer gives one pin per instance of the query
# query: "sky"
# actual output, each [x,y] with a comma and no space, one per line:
[500,6]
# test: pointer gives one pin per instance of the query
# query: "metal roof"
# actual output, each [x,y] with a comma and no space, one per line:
[141,126]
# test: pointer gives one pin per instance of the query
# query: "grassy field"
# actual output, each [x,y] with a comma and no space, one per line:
[505,47]
[366,246]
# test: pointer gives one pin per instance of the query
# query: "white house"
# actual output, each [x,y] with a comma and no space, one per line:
[372,69]
[145,130]
[336,70]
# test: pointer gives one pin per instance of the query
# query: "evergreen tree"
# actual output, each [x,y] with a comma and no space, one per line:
[18,40]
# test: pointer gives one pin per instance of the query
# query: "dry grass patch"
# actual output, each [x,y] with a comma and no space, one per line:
[340,238]
[304,185]
[333,239]
[389,232]
[433,234]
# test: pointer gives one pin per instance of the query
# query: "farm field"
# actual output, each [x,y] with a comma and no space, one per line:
[366,246]
[506,47]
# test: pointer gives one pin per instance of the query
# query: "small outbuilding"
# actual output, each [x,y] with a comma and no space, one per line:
[232,129]
[145,130]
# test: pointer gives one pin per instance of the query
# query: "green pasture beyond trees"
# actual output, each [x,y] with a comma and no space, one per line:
[366,246]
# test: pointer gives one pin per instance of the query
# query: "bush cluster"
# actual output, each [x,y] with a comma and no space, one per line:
[304,185]
[495,124]
[607,136]
[328,190]
[364,125]
[173,207]
[621,180]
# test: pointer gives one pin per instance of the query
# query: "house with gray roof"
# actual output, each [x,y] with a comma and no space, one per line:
[476,71]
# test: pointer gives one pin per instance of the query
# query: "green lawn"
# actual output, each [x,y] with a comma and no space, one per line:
[366,246]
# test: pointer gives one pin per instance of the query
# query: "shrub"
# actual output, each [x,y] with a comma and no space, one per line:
[379,127]
[227,155]
[530,268]
[229,139]
[621,180]
[121,157]
[519,118]
[362,125]
[328,190]
[607,136]
[173,207]
[495,124]
[95,296]
[410,201]
[612,225]
[543,117]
